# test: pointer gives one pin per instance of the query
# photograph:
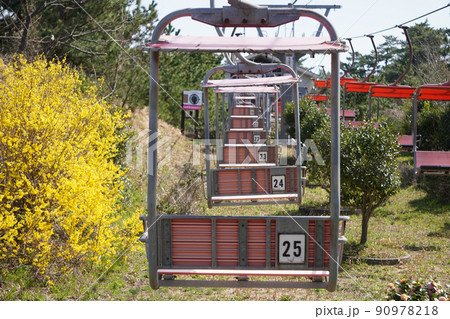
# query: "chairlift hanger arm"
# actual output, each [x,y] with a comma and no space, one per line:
[353,58]
[405,31]
[233,17]
[376,58]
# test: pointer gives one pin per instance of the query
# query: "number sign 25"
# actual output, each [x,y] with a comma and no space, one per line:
[291,248]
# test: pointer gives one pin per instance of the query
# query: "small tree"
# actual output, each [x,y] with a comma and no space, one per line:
[312,117]
[369,169]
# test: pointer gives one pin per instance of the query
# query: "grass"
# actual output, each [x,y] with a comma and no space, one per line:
[410,223]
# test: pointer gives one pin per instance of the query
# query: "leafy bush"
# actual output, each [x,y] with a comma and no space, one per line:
[59,187]
[369,167]
[407,290]
[312,118]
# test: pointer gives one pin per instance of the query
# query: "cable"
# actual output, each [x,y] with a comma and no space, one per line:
[404,23]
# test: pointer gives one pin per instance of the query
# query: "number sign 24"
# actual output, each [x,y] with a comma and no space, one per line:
[278,183]
[291,248]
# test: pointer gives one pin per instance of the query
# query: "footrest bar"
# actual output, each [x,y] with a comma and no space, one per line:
[244,272]
[243,284]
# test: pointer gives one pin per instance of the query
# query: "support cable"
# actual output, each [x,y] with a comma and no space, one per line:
[404,23]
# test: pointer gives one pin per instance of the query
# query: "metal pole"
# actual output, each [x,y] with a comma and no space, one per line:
[207,150]
[217,117]
[223,116]
[343,106]
[276,129]
[335,173]
[268,110]
[152,171]
[299,143]
[370,105]
[414,130]
[378,109]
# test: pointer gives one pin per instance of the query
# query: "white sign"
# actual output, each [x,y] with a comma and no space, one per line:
[278,183]
[291,248]
[262,157]
[192,100]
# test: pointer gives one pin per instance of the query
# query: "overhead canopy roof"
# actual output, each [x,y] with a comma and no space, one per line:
[247,89]
[434,92]
[247,44]
[359,86]
[250,82]
[327,83]
[406,140]
[392,91]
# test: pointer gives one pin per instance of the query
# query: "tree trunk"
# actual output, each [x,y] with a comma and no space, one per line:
[24,40]
[366,212]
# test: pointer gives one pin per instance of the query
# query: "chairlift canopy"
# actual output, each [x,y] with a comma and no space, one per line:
[274,80]
[308,45]
[392,91]
[359,86]
[247,89]
[327,83]
[434,92]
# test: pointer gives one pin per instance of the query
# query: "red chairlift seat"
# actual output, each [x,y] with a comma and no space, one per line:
[392,91]
[357,124]
[349,114]
[431,162]
[318,97]
[406,142]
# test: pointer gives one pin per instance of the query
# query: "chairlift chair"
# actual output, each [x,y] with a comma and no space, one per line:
[430,162]
[267,246]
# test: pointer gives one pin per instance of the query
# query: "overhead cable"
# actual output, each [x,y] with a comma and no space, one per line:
[404,23]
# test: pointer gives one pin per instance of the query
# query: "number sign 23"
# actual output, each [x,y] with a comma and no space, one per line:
[291,248]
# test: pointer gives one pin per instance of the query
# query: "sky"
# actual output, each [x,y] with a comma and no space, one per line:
[355,18]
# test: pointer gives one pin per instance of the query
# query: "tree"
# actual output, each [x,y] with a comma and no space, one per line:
[312,118]
[182,71]
[369,168]
[100,36]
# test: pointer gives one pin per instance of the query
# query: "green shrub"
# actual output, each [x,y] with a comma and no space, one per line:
[369,167]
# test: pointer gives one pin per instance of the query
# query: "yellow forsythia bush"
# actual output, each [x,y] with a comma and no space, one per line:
[59,188]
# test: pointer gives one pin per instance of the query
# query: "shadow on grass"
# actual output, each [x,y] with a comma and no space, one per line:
[422,248]
[444,232]
[353,248]
[428,204]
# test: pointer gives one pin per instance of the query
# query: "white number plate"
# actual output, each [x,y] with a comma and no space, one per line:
[262,157]
[278,183]
[256,139]
[291,248]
